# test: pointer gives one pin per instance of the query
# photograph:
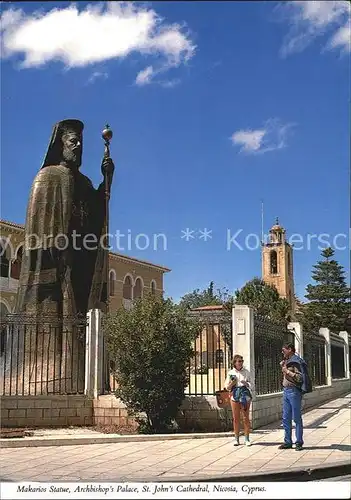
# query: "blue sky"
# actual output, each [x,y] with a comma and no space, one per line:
[215,106]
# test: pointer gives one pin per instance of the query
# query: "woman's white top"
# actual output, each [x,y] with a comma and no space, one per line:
[241,376]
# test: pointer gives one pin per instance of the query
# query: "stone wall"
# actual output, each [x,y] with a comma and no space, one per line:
[197,414]
[201,414]
[108,410]
[321,394]
[46,411]
[266,409]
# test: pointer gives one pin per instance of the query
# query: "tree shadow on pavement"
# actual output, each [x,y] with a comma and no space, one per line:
[320,420]
[340,447]
[314,424]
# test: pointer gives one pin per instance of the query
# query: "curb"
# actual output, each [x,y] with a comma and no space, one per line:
[75,441]
[341,468]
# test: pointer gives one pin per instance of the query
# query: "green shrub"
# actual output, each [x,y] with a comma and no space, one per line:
[151,345]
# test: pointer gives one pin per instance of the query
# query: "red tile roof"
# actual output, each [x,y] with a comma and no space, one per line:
[208,308]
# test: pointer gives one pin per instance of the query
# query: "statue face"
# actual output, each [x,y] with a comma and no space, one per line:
[72,148]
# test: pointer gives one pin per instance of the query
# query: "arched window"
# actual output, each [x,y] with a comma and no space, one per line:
[153,287]
[112,282]
[274,262]
[138,289]
[127,288]
[16,264]
[4,261]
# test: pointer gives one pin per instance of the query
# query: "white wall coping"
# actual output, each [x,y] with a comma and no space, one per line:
[276,394]
[270,395]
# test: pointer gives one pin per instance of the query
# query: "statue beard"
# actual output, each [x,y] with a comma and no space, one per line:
[72,158]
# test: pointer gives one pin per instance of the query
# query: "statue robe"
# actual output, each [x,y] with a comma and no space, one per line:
[59,277]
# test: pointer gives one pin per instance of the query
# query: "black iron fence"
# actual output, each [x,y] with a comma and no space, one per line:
[40,356]
[269,338]
[338,369]
[207,370]
[314,353]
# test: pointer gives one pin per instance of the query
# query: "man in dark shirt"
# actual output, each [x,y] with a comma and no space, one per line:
[292,398]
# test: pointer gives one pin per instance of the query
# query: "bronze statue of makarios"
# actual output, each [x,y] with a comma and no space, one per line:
[63,270]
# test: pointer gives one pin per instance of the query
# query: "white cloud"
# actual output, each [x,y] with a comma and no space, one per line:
[99,32]
[98,75]
[272,136]
[310,19]
[145,76]
[342,38]
[148,75]
[250,140]
[169,84]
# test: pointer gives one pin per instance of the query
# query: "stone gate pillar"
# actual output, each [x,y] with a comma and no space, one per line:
[345,336]
[94,355]
[243,335]
[325,332]
[298,335]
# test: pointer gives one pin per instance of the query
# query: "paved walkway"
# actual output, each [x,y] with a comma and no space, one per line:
[327,441]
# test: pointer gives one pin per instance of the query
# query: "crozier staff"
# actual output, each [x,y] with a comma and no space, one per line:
[107,136]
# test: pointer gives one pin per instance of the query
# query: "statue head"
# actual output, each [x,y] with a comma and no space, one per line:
[66,144]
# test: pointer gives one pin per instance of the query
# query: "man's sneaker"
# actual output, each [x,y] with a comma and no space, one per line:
[247,442]
[236,441]
[285,446]
[298,447]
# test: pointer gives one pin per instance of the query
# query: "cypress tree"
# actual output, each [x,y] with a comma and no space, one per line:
[328,297]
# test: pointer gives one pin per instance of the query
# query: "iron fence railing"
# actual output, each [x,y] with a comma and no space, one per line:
[269,338]
[337,349]
[314,350]
[41,355]
[207,370]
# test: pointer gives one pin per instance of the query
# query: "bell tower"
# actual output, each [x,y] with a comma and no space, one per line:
[277,263]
